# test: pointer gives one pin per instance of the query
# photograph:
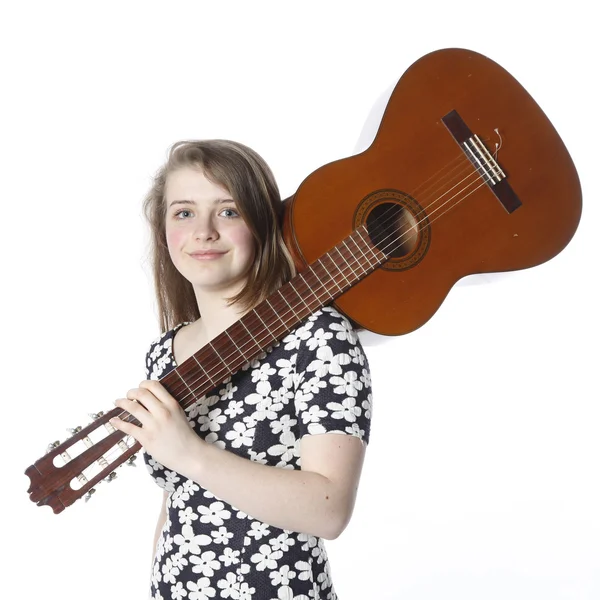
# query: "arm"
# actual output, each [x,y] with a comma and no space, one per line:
[319,499]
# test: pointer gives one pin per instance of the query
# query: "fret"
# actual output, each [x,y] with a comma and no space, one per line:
[276,314]
[285,300]
[264,324]
[309,288]
[378,260]
[352,254]
[184,382]
[299,296]
[205,373]
[328,275]
[340,270]
[236,346]
[250,334]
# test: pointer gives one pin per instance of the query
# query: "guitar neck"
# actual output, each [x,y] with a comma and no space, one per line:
[319,284]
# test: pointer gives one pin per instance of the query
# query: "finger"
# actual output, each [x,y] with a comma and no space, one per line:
[134,408]
[146,398]
[159,391]
[127,428]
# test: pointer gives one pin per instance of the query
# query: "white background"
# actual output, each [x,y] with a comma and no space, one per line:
[481,478]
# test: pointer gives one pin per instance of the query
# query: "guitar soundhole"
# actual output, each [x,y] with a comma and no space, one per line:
[390,217]
[393,229]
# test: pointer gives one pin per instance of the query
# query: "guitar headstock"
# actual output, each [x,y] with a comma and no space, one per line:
[71,469]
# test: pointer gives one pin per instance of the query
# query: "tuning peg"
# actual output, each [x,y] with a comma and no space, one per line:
[96,415]
[52,445]
[131,460]
[111,476]
[89,494]
[75,430]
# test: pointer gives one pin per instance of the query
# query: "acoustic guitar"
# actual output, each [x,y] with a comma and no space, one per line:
[465,175]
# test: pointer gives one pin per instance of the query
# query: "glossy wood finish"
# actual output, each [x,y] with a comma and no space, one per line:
[411,146]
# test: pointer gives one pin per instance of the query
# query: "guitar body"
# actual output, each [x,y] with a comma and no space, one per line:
[415,163]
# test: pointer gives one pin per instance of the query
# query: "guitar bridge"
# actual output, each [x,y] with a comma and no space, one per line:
[485,164]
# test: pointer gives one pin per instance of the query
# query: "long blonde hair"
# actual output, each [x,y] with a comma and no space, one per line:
[249,180]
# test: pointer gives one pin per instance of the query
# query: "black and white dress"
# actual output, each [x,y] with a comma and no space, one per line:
[315,380]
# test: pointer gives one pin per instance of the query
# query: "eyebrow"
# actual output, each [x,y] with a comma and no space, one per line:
[193,203]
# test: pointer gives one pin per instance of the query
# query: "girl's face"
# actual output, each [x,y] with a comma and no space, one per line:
[208,241]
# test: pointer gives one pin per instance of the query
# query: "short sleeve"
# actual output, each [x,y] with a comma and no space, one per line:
[332,387]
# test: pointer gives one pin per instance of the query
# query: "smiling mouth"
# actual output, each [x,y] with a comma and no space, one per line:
[207,255]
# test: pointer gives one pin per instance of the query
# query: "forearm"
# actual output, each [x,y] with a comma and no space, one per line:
[289,499]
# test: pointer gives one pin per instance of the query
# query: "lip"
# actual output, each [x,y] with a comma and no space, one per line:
[206,254]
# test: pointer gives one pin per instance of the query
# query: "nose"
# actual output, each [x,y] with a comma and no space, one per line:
[205,228]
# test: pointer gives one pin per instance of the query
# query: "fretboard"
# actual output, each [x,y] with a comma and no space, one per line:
[320,283]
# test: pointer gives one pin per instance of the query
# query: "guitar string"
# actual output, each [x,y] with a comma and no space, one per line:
[130,418]
[208,368]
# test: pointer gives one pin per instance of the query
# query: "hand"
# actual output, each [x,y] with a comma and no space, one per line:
[165,432]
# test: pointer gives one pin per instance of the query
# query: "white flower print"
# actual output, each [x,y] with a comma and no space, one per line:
[216,513]
[221,536]
[348,384]
[212,421]
[263,373]
[282,576]
[228,392]
[301,400]
[188,541]
[179,497]
[266,557]
[187,516]
[285,448]
[170,570]
[250,421]
[293,339]
[287,368]
[319,338]
[201,589]
[344,331]
[304,570]
[259,457]
[282,542]
[313,415]
[209,549]
[178,591]
[229,586]
[234,408]
[246,592]
[205,564]
[312,386]
[190,486]
[156,577]
[258,530]
[240,435]
[355,430]
[230,557]
[346,410]
[202,406]
[328,363]
[284,424]
[368,406]
[357,356]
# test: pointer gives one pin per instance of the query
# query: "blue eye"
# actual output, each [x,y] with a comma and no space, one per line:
[183,210]
[230,210]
